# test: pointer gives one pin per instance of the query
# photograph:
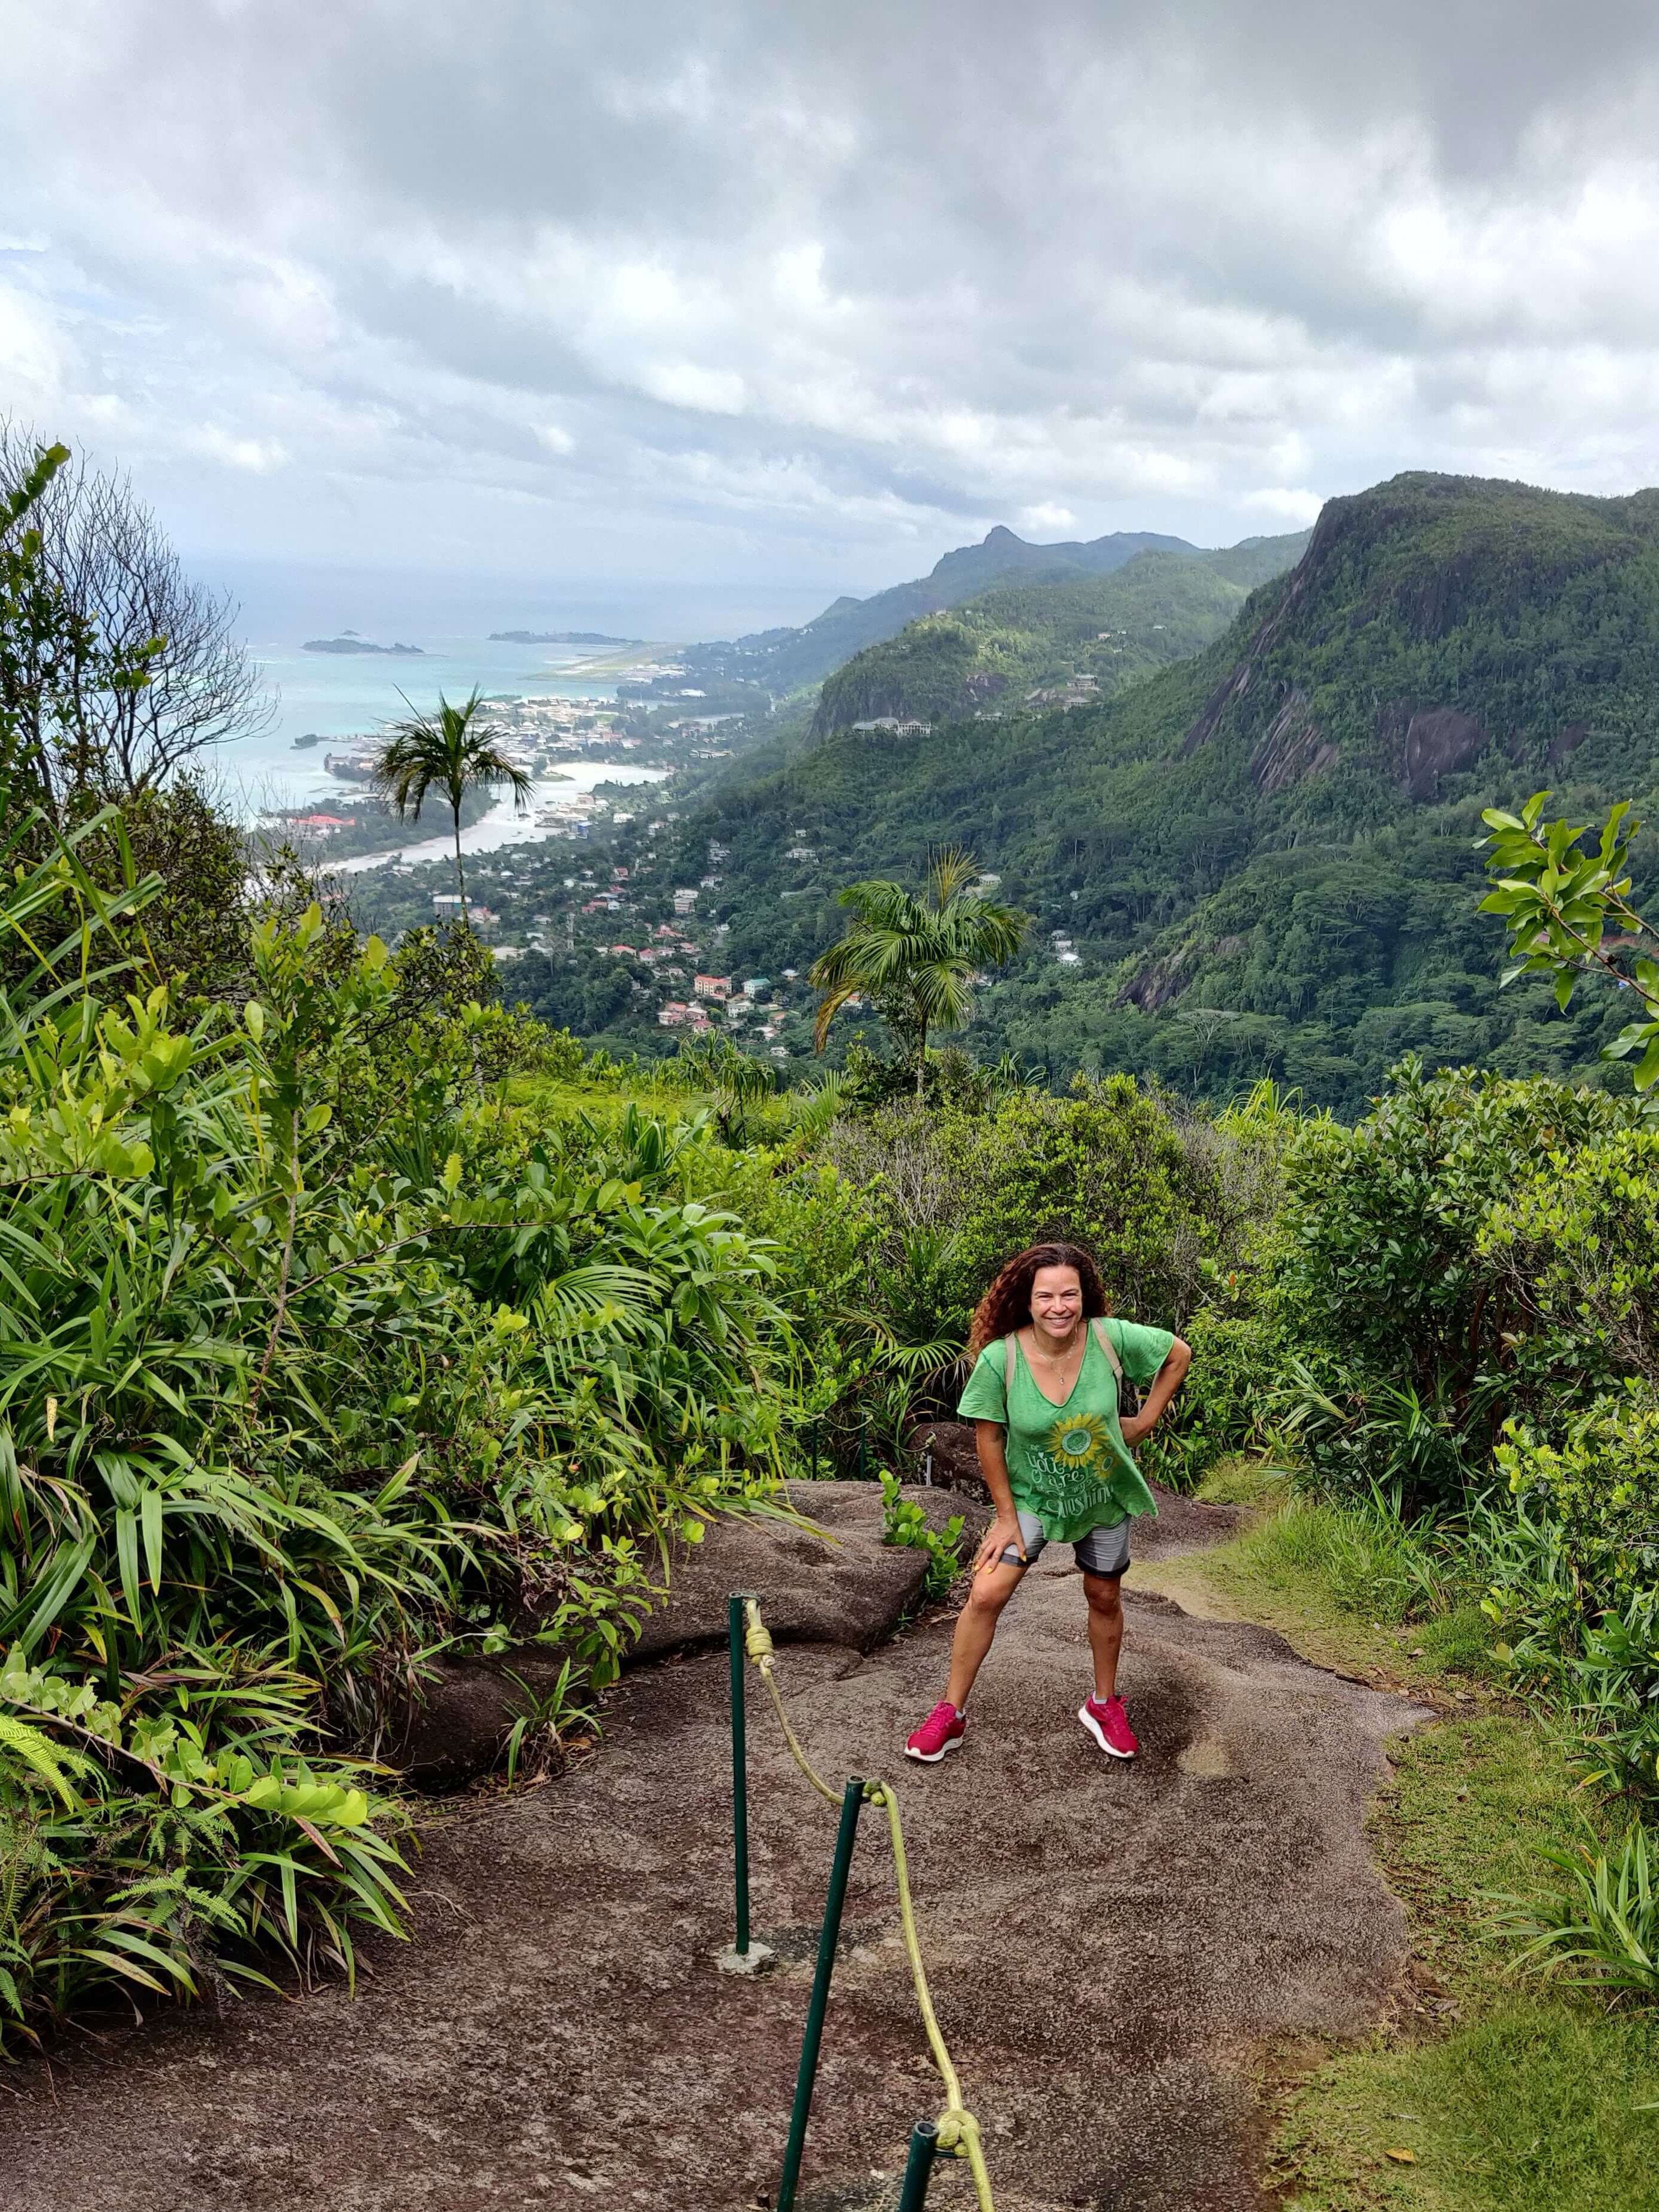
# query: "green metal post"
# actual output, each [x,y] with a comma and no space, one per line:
[812,2042]
[919,2166]
[739,1771]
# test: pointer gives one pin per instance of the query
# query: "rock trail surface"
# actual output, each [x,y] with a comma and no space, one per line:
[1108,1944]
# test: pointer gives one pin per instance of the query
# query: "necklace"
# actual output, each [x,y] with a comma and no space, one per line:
[1055,1359]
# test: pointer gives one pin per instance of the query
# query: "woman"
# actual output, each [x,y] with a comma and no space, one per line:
[1053,1450]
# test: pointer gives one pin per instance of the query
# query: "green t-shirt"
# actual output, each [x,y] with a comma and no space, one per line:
[1069,1464]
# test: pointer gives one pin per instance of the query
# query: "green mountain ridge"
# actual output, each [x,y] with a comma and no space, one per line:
[787,660]
[1075,635]
[1262,856]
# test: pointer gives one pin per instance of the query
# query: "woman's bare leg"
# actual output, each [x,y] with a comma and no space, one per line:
[977,1624]
[1105,1597]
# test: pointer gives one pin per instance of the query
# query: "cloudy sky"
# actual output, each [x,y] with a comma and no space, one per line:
[772,289]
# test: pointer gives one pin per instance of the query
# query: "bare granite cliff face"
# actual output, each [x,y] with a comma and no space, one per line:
[1423,744]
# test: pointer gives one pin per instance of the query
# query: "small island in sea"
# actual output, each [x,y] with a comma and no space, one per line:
[558,637]
[349,642]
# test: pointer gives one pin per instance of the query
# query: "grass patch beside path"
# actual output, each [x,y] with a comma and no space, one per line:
[1350,1587]
[1532,2108]
[1508,2097]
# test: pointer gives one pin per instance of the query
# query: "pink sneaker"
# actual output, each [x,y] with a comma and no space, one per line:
[1109,1724]
[942,1731]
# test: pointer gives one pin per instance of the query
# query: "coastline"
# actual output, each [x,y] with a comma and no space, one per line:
[505,824]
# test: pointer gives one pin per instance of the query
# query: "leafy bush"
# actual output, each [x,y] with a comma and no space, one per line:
[1228,1402]
[313,1361]
[1102,1167]
[1395,1276]
[1378,1440]
[1170,1205]
[1600,1487]
[1575,1250]
[904,1522]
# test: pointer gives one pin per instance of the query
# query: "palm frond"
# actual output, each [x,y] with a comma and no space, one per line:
[917,958]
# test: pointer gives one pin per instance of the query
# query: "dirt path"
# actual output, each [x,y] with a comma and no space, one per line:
[1109,1945]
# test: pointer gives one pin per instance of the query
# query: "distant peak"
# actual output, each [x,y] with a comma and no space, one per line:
[999,534]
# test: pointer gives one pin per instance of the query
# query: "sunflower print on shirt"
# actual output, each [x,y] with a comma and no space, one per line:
[1074,1471]
[1080,1442]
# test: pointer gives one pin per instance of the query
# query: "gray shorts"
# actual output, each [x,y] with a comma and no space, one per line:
[1102,1551]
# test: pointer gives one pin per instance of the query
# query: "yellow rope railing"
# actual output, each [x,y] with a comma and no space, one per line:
[959,2130]
[757,1643]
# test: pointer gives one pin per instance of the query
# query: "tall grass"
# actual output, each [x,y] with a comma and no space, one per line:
[1368,1561]
[1601,1926]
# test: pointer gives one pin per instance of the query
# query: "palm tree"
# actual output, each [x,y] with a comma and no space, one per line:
[454,750]
[917,959]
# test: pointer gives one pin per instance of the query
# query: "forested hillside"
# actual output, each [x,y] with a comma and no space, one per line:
[1009,646]
[785,659]
[1263,854]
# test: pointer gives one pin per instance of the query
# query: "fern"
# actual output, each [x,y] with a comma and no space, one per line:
[40,1754]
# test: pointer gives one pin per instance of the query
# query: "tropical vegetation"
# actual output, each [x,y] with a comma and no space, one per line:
[916,959]
[1262,857]
[352,1324]
[452,751]
[994,651]
[313,1372]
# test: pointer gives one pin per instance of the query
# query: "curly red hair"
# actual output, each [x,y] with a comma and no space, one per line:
[1007,1306]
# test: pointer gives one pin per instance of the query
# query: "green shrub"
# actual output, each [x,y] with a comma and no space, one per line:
[1380,1439]
[312,1363]
[1396,1278]
[1226,1404]
[1600,1487]
[1169,1203]
[1103,1167]
[1383,1260]
[1575,1247]
[904,1522]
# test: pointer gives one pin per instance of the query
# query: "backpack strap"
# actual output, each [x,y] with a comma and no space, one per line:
[1103,1339]
[1008,1346]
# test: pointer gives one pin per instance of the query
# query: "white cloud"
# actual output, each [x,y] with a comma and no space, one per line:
[703,391]
[260,456]
[768,304]
[1298,508]
[31,352]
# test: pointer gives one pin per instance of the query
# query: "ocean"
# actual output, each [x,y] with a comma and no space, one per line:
[281,604]
[355,695]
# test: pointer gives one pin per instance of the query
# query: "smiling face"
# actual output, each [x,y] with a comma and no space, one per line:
[1056,1302]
